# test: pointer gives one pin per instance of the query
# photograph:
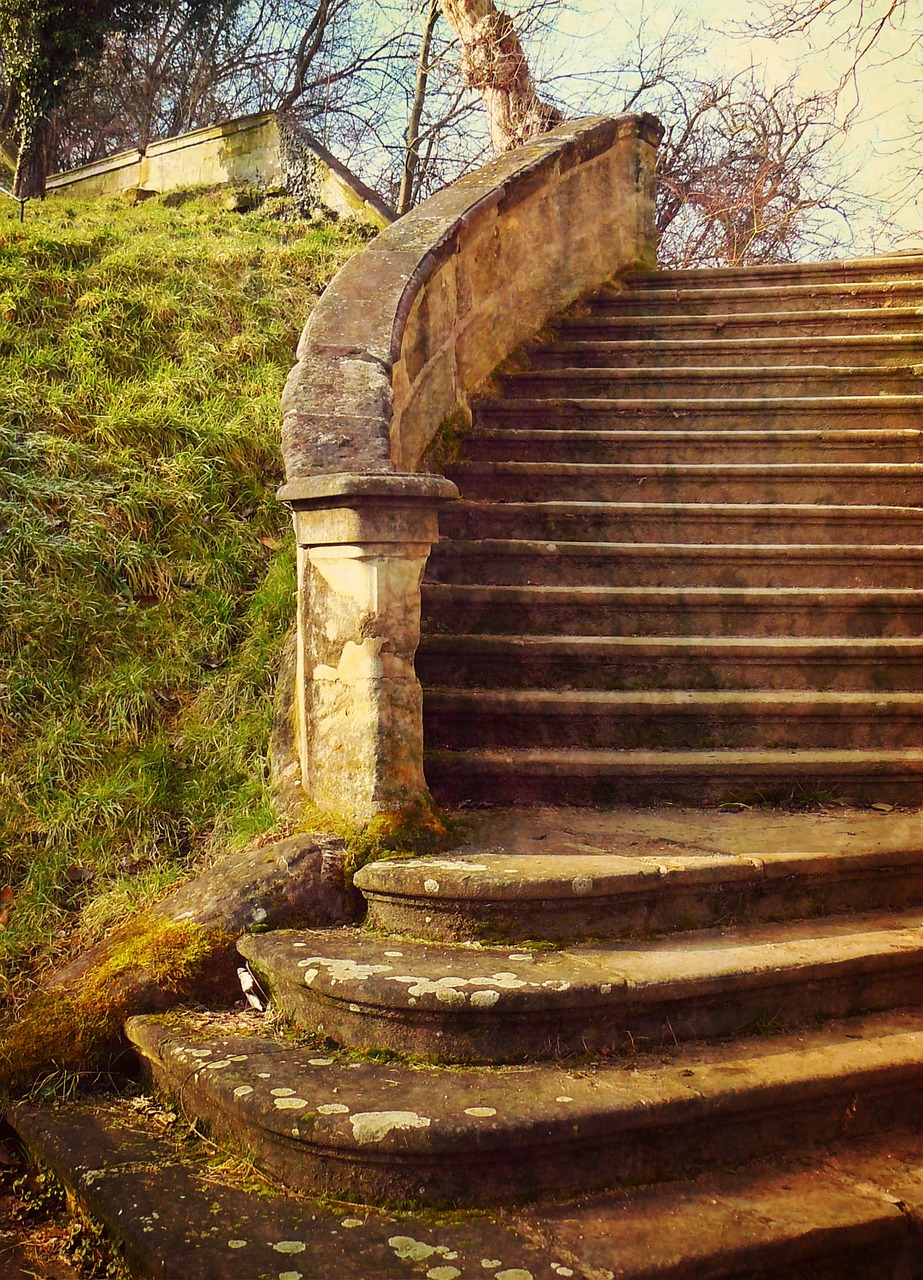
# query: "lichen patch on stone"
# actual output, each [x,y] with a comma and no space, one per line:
[410,1250]
[372,1126]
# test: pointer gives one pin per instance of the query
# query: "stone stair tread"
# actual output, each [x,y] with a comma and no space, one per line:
[785,470]
[672,346]
[885,288]
[745,406]
[889,645]
[348,966]
[476,1134]
[850,268]
[640,701]
[839,1217]
[751,595]
[704,435]
[176,1219]
[721,551]
[770,319]
[479,875]
[757,760]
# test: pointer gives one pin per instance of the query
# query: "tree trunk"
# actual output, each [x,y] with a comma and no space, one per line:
[32,164]
[412,136]
[493,61]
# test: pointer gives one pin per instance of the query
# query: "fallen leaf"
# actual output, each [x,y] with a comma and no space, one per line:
[272,544]
[6,905]
[883,808]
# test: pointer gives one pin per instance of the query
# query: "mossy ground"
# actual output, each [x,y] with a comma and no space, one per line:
[146,571]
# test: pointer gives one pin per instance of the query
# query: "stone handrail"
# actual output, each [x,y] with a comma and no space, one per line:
[392,355]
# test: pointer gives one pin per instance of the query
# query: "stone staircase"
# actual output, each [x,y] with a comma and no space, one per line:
[606,1045]
[687,561]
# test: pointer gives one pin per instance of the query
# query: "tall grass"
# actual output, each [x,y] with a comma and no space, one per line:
[146,572]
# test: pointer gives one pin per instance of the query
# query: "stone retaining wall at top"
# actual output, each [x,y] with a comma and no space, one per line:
[401,340]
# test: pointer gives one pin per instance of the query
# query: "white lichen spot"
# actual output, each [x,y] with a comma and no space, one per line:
[242,1090]
[410,1250]
[431,886]
[394,955]
[292,1246]
[561,1270]
[605,988]
[355,1008]
[200,1053]
[443,1273]
[481,1113]
[320,1062]
[300,945]
[332,1109]
[515,1273]
[237,1244]
[556,984]
[281,1093]
[258,915]
[491,1264]
[372,1126]
[291,1275]
[343,970]
[290,1104]
[310,975]
[484,999]
[353,1222]
[564,1098]
[582,885]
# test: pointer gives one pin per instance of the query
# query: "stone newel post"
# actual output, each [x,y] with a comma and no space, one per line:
[363,541]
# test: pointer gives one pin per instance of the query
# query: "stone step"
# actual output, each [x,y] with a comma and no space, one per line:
[828,322]
[487,1004]
[175,1216]
[565,894]
[852,1215]
[736,413]
[575,444]
[367,1130]
[670,662]
[521,562]
[754,382]
[685,522]
[879,350]
[843,271]
[850,1212]
[702,300]
[764,776]
[692,611]
[670,720]
[894,484]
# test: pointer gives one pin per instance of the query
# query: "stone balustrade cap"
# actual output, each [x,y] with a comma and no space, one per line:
[345,488]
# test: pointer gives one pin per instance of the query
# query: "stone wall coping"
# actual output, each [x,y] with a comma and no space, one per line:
[345,488]
[340,401]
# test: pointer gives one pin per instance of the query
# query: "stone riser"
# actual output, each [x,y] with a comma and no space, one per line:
[535,611]
[831,322]
[667,1132]
[673,903]
[459,721]
[570,778]
[883,352]
[483,662]
[836,486]
[848,272]
[576,445]
[684,523]
[678,383]
[647,1024]
[650,565]
[763,299]
[595,413]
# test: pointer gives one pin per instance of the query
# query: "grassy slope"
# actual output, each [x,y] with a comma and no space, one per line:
[146,574]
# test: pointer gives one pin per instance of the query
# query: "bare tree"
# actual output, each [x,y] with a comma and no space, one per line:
[493,61]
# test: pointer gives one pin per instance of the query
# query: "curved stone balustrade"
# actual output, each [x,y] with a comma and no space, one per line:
[403,337]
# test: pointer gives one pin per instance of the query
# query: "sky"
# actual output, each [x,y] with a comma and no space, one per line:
[881,122]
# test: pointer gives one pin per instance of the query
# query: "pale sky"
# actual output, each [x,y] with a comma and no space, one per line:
[876,140]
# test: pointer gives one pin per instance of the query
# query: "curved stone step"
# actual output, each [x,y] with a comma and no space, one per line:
[887,266]
[575,444]
[765,776]
[499,561]
[670,720]
[759,382]
[704,300]
[383,1131]
[879,350]
[671,662]
[895,484]
[694,611]
[565,894]
[491,1005]
[684,522]
[831,321]
[741,413]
